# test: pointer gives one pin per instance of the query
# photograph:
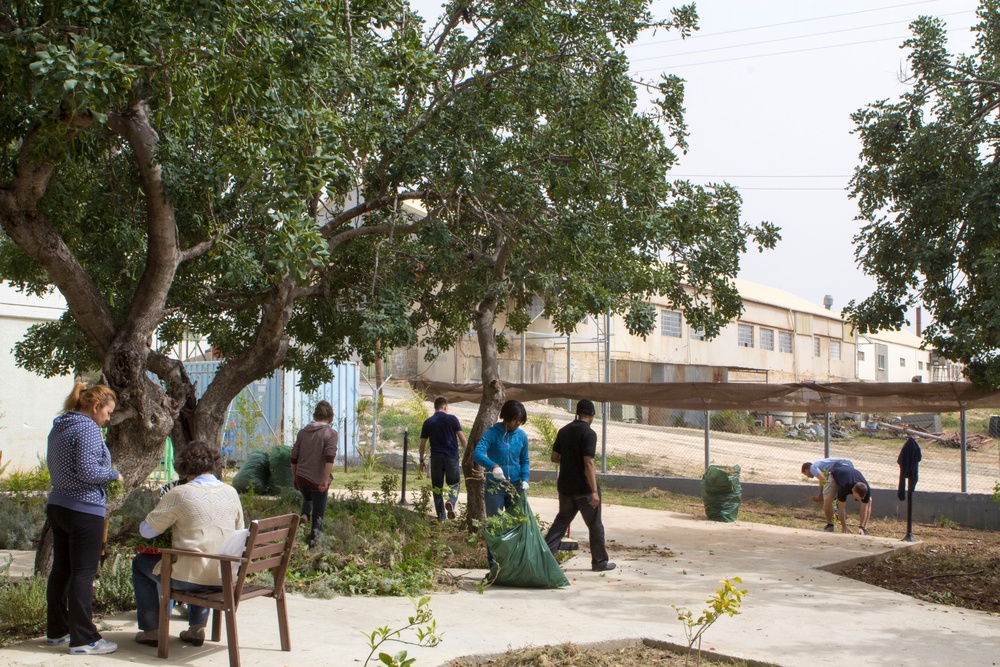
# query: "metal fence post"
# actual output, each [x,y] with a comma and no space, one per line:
[346,442]
[406,446]
[965,456]
[826,435]
[708,438]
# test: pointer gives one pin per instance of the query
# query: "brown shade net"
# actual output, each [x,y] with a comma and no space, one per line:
[756,397]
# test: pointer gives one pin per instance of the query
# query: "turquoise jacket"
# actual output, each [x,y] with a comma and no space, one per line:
[497,447]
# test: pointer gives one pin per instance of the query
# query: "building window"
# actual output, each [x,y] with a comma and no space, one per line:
[835,349]
[744,335]
[670,324]
[785,341]
[902,362]
[816,347]
[920,365]
[881,362]
[861,355]
[697,334]
[766,339]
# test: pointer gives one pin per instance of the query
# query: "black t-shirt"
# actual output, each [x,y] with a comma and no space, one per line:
[440,429]
[574,441]
[846,477]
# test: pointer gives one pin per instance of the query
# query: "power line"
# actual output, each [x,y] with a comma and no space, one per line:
[763,175]
[784,23]
[781,39]
[796,189]
[785,53]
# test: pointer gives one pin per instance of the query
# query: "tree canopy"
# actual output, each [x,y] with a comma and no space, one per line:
[928,191]
[243,171]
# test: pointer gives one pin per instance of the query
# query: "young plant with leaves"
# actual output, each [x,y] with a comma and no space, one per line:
[726,601]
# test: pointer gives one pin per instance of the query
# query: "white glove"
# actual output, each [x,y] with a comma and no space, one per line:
[524,485]
[498,473]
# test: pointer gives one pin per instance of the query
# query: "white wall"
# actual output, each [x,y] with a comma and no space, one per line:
[28,403]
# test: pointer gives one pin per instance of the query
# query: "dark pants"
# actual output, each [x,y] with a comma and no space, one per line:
[76,553]
[147,594]
[568,508]
[497,496]
[314,505]
[444,470]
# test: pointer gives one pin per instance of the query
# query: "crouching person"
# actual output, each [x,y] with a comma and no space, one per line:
[201,515]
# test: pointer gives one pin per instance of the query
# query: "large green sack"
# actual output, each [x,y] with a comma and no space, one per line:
[281,469]
[255,472]
[721,493]
[522,557]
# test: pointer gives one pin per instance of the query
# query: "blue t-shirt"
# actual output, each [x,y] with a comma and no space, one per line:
[440,429]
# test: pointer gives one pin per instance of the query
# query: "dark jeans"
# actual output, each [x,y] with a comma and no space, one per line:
[76,553]
[444,470]
[497,496]
[314,505]
[147,594]
[568,508]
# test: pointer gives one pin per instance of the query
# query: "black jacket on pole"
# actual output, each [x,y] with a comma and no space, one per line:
[909,458]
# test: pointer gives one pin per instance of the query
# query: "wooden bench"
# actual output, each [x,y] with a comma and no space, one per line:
[268,547]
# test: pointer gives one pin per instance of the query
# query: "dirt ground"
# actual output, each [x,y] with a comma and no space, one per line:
[627,654]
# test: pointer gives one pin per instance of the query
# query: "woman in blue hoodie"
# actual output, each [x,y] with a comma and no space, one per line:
[503,453]
[80,465]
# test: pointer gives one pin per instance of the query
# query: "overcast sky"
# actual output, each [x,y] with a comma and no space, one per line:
[771,86]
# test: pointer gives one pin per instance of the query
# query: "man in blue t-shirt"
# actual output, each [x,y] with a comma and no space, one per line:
[850,482]
[445,432]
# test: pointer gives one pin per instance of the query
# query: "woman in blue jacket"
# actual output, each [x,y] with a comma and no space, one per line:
[503,452]
[80,465]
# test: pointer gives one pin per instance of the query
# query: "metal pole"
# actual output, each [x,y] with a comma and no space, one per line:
[826,435]
[965,457]
[406,462]
[569,370]
[346,441]
[708,438]
[523,348]
[607,378]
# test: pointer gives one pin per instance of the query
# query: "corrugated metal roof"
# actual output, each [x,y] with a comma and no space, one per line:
[773,296]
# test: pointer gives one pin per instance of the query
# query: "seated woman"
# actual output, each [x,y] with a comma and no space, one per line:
[201,514]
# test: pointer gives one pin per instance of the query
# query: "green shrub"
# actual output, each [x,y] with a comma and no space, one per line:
[20,522]
[22,606]
[546,428]
[113,590]
[21,484]
[732,421]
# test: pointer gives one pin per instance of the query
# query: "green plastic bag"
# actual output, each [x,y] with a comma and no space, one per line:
[721,493]
[523,559]
[281,469]
[255,471]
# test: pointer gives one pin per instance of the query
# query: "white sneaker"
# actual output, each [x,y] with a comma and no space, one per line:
[100,647]
[57,641]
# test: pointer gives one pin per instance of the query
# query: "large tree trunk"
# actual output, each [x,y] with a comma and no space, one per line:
[489,408]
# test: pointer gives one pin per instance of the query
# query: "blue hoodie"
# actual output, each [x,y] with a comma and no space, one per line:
[80,464]
[497,447]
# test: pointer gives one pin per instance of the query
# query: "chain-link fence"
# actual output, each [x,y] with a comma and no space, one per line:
[769,448]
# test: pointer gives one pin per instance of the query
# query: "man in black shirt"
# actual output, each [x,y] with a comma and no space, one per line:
[574,451]
[851,482]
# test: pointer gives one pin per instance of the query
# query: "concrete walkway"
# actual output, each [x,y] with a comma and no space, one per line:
[794,613]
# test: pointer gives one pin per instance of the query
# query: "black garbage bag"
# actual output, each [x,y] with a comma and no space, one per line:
[518,546]
[255,472]
[721,493]
[281,469]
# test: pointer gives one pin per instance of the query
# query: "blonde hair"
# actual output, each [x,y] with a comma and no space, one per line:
[82,399]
